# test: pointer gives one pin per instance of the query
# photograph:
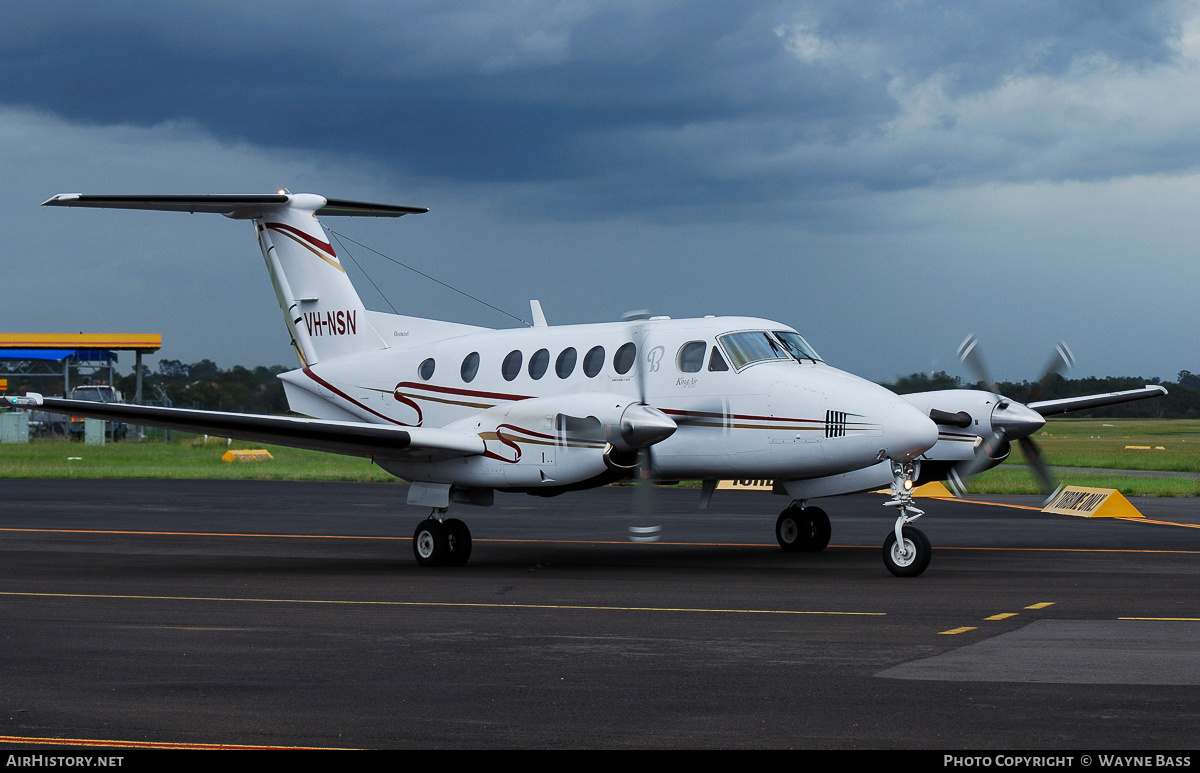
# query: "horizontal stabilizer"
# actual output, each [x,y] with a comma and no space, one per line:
[235,205]
[339,437]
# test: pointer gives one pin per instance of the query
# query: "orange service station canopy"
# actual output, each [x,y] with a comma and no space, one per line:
[140,342]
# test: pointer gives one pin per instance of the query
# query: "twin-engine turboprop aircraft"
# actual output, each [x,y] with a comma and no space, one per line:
[465,411]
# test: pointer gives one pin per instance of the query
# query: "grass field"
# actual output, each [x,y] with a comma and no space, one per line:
[1166,445]
[187,458]
[1065,442]
[1173,445]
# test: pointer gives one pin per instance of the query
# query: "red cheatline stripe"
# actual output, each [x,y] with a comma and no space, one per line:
[308,372]
[326,246]
[460,392]
[744,417]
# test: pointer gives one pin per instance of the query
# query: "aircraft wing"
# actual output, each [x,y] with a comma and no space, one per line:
[1068,404]
[339,437]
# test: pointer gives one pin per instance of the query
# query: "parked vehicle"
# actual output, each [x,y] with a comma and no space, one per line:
[46,424]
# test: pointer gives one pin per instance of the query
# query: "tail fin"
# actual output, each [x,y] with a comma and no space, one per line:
[322,310]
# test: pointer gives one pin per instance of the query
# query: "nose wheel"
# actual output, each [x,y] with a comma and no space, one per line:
[909,556]
[802,529]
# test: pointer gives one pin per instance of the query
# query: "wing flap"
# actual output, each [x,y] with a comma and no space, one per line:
[338,437]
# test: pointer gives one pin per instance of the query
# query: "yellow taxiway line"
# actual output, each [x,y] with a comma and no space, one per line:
[1165,619]
[152,744]
[482,605]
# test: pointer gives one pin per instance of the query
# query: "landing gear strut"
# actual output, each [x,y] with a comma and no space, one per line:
[441,541]
[802,529]
[906,551]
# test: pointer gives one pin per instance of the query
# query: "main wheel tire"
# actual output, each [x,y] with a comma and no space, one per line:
[910,558]
[804,530]
[819,529]
[431,543]
[460,542]
[792,530]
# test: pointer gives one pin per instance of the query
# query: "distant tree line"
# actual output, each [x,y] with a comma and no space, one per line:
[206,386]
[1181,402]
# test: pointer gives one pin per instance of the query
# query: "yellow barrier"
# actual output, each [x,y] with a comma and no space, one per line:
[255,455]
[1091,503]
[933,489]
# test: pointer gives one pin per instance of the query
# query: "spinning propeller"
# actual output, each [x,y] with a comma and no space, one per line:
[1010,420]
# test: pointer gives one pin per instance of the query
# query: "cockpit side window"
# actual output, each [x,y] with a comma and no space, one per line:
[797,346]
[748,348]
[716,362]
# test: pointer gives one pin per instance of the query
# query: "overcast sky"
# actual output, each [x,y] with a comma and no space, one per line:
[885,177]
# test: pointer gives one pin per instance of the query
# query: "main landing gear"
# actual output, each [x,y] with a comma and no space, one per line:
[441,541]
[802,529]
[906,551]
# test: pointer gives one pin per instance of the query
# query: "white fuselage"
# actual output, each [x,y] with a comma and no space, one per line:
[778,418]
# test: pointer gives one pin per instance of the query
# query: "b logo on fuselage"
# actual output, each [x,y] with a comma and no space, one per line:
[654,357]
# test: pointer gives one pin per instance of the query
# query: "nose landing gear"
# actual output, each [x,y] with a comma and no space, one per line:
[906,551]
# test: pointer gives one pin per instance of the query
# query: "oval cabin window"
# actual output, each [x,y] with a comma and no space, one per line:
[470,367]
[593,361]
[538,364]
[511,366]
[566,362]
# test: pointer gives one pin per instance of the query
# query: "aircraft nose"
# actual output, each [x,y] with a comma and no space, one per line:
[908,432]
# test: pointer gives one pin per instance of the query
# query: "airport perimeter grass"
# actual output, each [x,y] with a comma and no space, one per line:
[1065,442]
[188,458]
[1173,445]
[1159,444]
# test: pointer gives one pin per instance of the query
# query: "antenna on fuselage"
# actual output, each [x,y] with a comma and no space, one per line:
[539,317]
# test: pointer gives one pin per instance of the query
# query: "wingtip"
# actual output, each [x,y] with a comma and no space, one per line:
[61,198]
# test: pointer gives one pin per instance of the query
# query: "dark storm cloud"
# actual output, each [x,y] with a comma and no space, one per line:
[619,105]
[977,45]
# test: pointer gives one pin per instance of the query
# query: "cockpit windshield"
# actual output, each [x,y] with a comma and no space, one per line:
[747,348]
[797,346]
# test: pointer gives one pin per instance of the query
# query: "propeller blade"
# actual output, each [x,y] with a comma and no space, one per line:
[1061,360]
[993,447]
[968,354]
[1033,455]
[644,528]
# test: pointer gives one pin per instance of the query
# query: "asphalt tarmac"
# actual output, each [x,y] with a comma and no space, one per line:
[294,614]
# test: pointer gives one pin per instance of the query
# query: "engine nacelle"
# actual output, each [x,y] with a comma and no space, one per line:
[561,441]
